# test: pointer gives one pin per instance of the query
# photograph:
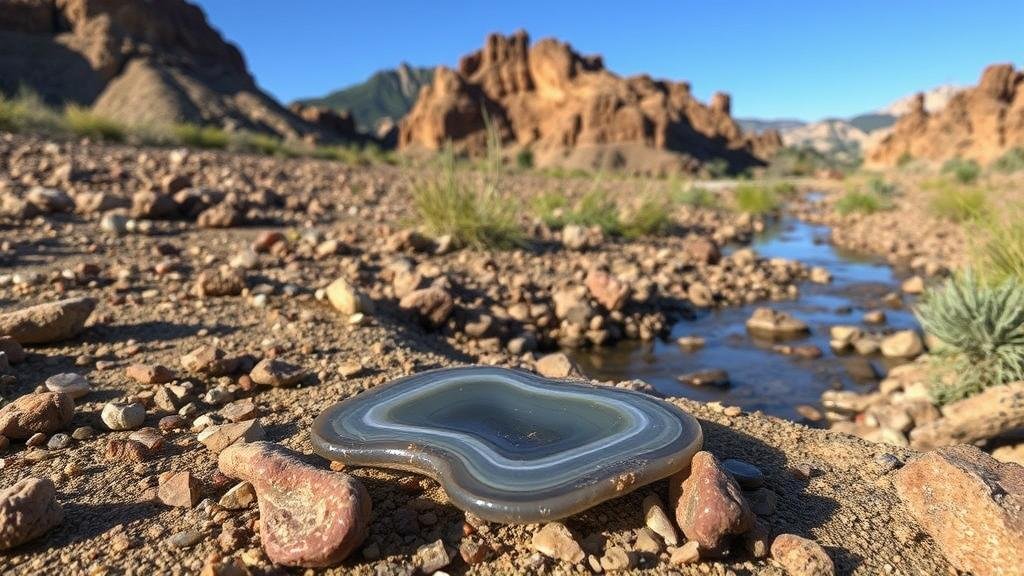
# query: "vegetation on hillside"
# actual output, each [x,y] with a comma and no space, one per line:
[382,95]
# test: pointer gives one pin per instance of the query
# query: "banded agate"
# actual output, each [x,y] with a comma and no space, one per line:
[510,446]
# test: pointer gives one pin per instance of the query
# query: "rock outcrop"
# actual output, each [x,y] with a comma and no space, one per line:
[138,61]
[569,110]
[979,123]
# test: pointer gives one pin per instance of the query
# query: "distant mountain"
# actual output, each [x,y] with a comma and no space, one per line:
[934,100]
[758,126]
[386,94]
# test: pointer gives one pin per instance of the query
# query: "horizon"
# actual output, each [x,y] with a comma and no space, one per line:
[903,52]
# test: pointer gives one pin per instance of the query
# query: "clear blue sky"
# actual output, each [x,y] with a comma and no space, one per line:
[797,58]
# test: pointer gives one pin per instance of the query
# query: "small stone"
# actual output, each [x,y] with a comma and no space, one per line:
[151,438]
[709,505]
[308,516]
[118,416]
[801,557]
[773,323]
[746,474]
[83,433]
[617,558]
[716,378]
[59,441]
[239,410]
[874,317]
[690,342]
[28,509]
[905,344]
[70,383]
[150,373]
[119,450]
[180,489]
[647,542]
[556,365]
[345,298]
[432,305]
[761,501]
[44,412]
[657,520]
[554,540]
[432,557]
[688,553]
[238,497]
[608,290]
[185,538]
[913,285]
[224,281]
[217,438]
[274,372]
[474,552]
[36,440]
[209,361]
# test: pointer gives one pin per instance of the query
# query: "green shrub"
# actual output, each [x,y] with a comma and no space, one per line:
[861,202]
[904,160]
[550,208]
[982,328]
[881,187]
[595,208]
[716,168]
[1011,161]
[695,197]
[757,198]
[83,122]
[524,159]
[476,216]
[1000,253]
[957,202]
[259,143]
[27,112]
[964,171]
[652,217]
[201,136]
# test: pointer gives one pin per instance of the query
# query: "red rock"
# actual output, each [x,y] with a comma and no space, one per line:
[181,489]
[27,510]
[273,372]
[45,412]
[150,373]
[209,360]
[801,557]
[50,322]
[971,505]
[607,289]
[709,505]
[308,516]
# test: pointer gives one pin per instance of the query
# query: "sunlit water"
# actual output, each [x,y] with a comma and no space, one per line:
[762,379]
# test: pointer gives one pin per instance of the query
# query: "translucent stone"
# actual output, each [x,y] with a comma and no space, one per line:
[510,446]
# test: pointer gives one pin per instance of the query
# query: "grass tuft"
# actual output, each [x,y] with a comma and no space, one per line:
[1000,253]
[209,137]
[27,112]
[1011,161]
[964,171]
[758,198]
[83,122]
[957,202]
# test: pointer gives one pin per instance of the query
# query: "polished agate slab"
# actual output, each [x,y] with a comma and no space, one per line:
[510,446]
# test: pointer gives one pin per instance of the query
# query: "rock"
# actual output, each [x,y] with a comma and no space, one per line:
[801,557]
[657,520]
[746,474]
[346,299]
[28,509]
[210,361]
[700,295]
[225,281]
[772,323]
[607,290]
[274,372]
[874,317]
[575,237]
[554,540]
[717,378]
[557,365]
[432,557]
[180,489]
[432,305]
[617,558]
[708,504]
[222,215]
[308,517]
[700,250]
[474,552]
[185,538]
[971,505]
[903,344]
[10,348]
[913,285]
[217,438]
[70,383]
[688,553]
[50,322]
[114,223]
[150,373]
[45,412]
[820,275]
[238,497]
[118,416]
[761,501]
[690,343]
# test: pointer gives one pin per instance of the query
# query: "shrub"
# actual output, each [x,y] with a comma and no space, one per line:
[965,171]
[716,168]
[258,143]
[881,187]
[757,198]
[904,160]
[524,159]
[26,111]
[1000,253]
[982,328]
[550,208]
[83,122]
[595,208]
[1011,161]
[652,217]
[201,136]
[958,202]
[862,202]
[695,197]
[477,216]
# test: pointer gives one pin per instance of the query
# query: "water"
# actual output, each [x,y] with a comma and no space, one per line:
[760,378]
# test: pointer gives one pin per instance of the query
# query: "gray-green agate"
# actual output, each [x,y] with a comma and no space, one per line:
[510,446]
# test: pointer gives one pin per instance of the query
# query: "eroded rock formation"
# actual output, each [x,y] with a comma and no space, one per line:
[569,110]
[979,123]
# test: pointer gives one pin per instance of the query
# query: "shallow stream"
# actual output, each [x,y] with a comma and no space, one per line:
[762,379]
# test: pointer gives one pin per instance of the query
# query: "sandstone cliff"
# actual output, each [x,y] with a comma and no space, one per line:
[569,110]
[140,61]
[979,123]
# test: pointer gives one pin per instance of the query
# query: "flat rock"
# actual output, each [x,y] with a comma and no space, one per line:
[308,516]
[801,557]
[905,344]
[217,438]
[274,372]
[44,413]
[709,505]
[28,509]
[554,540]
[150,373]
[971,505]
[70,383]
[50,322]
[557,365]
[773,323]
[713,377]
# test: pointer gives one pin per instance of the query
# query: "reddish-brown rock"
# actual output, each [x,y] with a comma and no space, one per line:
[569,109]
[709,505]
[971,505]
[433,304]
[49,322]
[150,373]
[45,413]
[27,510]
[608,290]
[179,489]
[801,557]
[308,516]
[980,123]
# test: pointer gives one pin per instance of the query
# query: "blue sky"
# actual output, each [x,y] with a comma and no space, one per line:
[798,58]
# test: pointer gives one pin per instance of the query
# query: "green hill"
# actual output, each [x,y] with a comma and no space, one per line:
[388,93]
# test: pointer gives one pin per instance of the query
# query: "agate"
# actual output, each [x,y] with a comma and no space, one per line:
[510,446]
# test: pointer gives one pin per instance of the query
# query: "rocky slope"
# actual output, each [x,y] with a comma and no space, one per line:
[386,96]
[980,123]
[569,110]
[137,61]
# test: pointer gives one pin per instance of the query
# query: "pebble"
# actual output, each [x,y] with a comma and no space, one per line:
[150,373]
[746,474]
[709,505]
[119,416]
[657,520]
[274,372]
[432,557]
[238,497]
[70,383]
[185,538]
[217,438]
[801,557]
[688,553]
[59,441]
[554,540]
[617,558]
[179,489]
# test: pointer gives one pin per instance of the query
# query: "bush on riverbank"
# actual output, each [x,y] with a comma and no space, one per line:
[762,198]
[957,202]
[1000,253]
[981,327]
